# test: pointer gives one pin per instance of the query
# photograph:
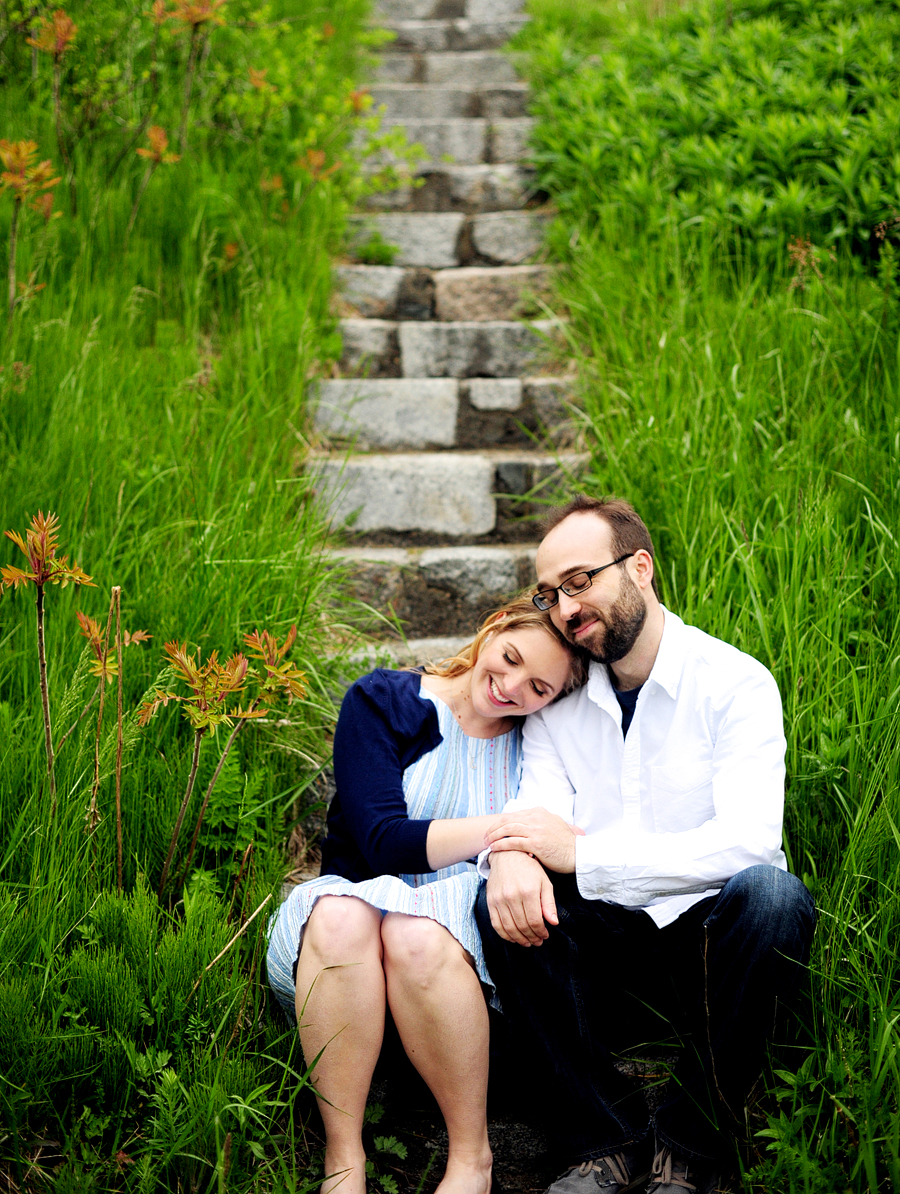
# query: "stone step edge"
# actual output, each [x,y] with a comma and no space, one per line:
[412,651]
[497,456]
[412,557]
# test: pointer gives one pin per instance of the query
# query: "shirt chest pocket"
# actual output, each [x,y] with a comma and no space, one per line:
[682,796]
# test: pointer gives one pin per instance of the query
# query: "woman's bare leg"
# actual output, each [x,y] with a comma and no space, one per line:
[340,1012]
[436,1001]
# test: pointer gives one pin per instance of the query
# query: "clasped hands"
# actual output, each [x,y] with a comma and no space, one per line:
[519,892]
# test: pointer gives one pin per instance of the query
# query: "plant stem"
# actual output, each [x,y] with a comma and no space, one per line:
[81,716]
[120,656]
[212,783]
[60,138]
[241,931]
[141,126]
[188,85]
[195,762]
[240,874]
[45,698]
[13,233]
[148,174]
[93,815]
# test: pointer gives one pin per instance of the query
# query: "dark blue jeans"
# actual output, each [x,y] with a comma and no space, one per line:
[607,978]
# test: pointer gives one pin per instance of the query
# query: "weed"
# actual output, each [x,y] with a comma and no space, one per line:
[44,568]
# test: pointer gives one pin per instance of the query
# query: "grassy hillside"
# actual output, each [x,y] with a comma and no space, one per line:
[739,383]
[169,301]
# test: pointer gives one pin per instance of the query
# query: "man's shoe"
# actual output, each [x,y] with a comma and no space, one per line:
[615,1174]
[672,1174]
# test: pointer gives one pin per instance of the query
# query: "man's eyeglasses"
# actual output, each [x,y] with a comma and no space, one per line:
[547,598]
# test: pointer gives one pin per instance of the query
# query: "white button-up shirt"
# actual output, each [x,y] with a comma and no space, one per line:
[694,794]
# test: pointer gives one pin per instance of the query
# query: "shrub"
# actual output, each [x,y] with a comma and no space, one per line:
[771,117]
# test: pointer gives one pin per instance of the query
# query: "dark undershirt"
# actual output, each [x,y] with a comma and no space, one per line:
[627,701]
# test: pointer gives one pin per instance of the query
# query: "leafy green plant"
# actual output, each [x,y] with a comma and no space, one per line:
[212,686]
[772,118]
[156,155]
[376,250]
[54,36]
[39,546]
[25,179]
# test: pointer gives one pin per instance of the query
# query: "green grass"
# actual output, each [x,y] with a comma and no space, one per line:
[749,409]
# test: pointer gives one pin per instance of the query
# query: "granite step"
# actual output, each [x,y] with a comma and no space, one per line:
[506,237]
[466,140]
[468,293]
[438,590]
[460,348]
[510,140]
[435,10]
[430,37]
[473,348]
[488,292]
[413,413]
[424,239]
[444,187]
[426,101]
[444,496]
[441,240]
[418,10]
[477,68]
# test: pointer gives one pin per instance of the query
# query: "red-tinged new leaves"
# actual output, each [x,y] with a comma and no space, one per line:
[147,710]
[275,677]
[105,667]
[39,545]
[55,33]
[259,81]
[159,143]
[360,100]
[197,12]
[24,176]
[210,684]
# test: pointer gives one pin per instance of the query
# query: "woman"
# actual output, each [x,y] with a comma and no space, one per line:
[423,764]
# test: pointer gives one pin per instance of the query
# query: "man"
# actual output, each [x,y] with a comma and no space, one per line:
[639,872]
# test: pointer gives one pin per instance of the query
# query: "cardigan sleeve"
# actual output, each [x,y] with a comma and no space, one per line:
[384,725]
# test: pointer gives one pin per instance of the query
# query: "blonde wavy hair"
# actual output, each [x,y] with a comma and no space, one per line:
[517,614]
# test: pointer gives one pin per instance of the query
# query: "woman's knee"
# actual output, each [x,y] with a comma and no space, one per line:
[419,946]
[342,927]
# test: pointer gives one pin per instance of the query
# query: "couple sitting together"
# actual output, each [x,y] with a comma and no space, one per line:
[578,818]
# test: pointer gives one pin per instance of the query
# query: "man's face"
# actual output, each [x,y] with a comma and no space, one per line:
[607,618]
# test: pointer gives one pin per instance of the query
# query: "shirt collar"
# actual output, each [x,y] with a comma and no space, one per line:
[666,672]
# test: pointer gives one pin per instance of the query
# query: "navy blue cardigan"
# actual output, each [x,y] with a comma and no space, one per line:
[383,727]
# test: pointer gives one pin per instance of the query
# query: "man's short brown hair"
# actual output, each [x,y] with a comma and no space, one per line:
[629,533]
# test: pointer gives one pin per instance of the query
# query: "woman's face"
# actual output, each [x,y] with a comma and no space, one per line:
[518,672]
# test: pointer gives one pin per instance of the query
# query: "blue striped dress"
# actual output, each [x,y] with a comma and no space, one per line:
[462,777]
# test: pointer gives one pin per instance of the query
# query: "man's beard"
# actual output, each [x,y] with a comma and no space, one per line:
[619,626]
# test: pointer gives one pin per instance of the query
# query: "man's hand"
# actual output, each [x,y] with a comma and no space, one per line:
[520,898]
[535,831]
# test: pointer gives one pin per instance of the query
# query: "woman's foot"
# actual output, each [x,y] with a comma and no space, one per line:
[343,1174]
[467,1177]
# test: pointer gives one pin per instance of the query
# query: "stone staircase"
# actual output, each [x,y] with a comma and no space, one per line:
[446,418]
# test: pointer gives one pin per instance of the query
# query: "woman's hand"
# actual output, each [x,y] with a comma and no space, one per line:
[535,831]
